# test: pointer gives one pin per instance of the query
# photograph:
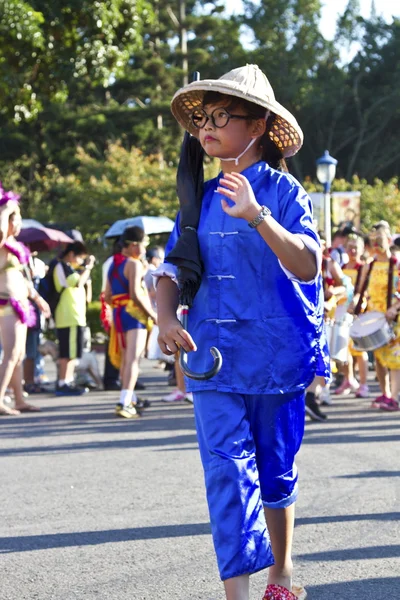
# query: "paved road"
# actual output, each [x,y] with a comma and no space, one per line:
[97,508]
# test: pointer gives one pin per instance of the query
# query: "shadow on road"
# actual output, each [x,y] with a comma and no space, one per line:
[101,445]
[370,475]
[28,543]
[389,516]
[350,438]
[326,429]
[105,422]
[353,554]
[387,588]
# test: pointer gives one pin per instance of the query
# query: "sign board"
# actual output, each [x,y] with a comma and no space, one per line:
[345,207]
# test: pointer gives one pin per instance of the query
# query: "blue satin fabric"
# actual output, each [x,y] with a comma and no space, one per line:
[268,328]
[247,444]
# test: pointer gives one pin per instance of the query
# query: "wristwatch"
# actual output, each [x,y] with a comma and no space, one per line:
[264,212]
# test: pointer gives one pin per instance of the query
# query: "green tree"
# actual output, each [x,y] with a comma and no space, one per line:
[379,199]
[121,184]
[51,50]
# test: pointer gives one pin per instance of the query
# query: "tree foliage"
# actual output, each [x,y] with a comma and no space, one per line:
[379,199]
[86,86]
[53,51]
[120,184]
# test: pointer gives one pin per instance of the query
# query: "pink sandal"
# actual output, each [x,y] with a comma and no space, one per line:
[278,592]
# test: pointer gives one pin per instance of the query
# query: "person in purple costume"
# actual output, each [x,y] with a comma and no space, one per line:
[16,312]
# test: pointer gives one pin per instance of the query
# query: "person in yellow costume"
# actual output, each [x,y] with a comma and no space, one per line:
[133,316]
[354,248]
[381,296]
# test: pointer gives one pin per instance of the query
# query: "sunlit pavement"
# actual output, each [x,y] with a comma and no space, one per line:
[96,507]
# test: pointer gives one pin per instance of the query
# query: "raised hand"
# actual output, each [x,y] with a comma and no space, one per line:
[237,188]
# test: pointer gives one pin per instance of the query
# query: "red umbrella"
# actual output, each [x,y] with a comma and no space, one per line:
[43,239]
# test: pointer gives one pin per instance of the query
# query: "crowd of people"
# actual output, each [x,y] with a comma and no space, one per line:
[357,270]
[37,299]
[361,277]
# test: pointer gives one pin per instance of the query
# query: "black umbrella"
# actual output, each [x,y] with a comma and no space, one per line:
[186,252]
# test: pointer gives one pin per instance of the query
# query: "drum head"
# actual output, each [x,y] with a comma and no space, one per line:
[367,324]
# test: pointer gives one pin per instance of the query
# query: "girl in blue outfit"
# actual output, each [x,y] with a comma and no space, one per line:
[261,304]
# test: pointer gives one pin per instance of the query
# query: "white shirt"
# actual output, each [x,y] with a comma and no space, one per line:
[104,269]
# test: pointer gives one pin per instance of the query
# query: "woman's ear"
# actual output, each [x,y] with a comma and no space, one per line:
[258,127]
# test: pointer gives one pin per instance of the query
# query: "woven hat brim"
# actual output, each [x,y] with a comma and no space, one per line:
[285,132]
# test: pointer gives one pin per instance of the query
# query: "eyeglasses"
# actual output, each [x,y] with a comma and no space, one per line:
[219,118]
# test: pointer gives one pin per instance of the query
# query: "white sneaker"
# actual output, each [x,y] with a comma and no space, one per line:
[325,396]
[189,397]
[176,396]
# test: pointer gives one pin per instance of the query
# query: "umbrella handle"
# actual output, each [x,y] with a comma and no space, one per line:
[183,356]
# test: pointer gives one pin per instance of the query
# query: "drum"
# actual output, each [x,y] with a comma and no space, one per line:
[339,342]
[371,331]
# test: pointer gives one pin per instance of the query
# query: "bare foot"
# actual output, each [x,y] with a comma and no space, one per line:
[6,411]
[24,407]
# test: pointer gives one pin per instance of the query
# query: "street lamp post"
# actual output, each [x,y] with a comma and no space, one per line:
[326,170]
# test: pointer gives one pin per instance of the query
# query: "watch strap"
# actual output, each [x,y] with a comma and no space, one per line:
[264,212]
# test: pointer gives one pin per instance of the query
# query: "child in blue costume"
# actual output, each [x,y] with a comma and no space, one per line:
[132,316]
[261,304]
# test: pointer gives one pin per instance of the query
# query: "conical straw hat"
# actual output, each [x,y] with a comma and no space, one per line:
[251,84]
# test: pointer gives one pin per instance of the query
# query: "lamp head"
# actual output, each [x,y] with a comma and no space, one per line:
[326,168]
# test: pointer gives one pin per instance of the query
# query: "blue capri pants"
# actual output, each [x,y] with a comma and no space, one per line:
[247,445]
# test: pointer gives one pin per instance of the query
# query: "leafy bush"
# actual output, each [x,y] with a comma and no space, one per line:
[93,318]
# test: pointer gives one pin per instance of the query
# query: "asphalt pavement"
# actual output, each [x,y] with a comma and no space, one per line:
[100,508]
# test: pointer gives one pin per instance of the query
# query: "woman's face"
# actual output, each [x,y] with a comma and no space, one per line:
[228,141]
[380,240]
[354,248]
[15,224]
[77,260]
[137,249]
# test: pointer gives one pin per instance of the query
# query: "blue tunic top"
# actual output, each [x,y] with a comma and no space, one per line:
[267,326]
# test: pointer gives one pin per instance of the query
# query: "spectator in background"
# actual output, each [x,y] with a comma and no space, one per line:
[33,358]
[337,251]
[16,313]
[395,248]
[382,276]
[154,258]
[368,253]
[355,249]
[70,313]
[132,314]
[180,393]
[111,373]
